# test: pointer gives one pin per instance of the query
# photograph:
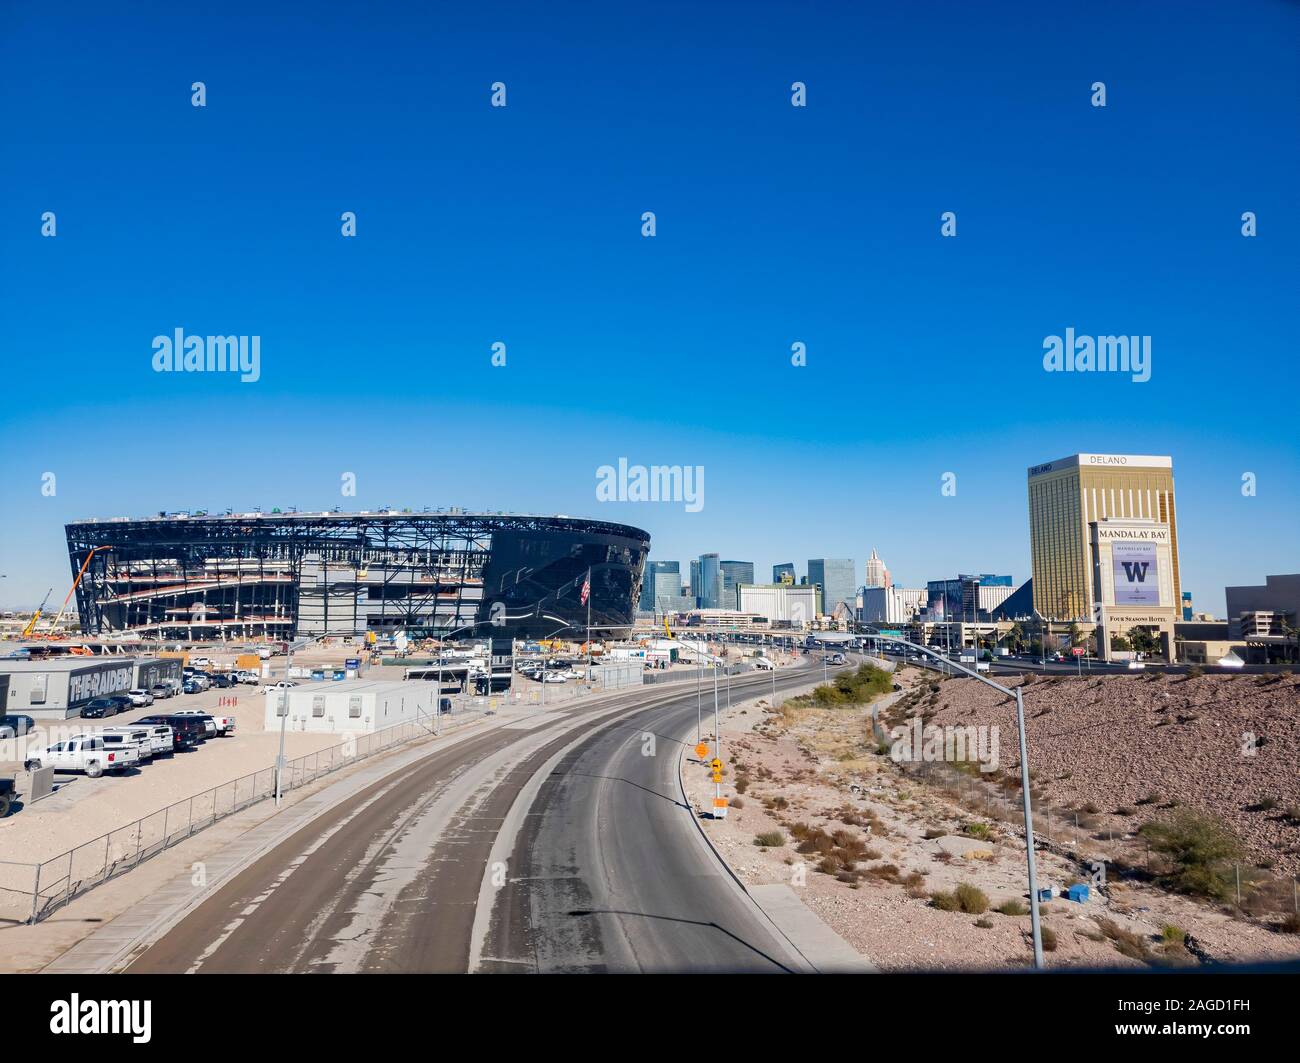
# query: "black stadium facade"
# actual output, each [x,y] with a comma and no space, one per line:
[286,575]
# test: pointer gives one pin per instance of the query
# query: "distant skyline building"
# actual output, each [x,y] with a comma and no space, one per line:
[709,590]
[784,573]
[891,605]
[838,579]
[877,573]
[662,579]
[967,598]
[782,604]
[1279,595]
[734,573]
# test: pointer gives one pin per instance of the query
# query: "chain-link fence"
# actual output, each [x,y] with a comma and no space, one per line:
[30,892]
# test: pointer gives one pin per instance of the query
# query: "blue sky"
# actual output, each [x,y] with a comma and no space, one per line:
[776,225]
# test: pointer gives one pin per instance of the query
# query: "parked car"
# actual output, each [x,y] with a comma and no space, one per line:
[284,684]
[554,677]
[156,737]
[15,726]
[248,677]
[222,681]
[6,796]
[140,698]
[161,690]
[99,708]
[192,686]
[199,662]
[82,753]
[124,703]
[221,725]
[187,731]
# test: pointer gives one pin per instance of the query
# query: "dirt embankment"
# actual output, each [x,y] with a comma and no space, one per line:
[926,870]
[1123,748]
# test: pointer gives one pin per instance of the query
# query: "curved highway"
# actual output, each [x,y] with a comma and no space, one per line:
[605,867]
[606,874]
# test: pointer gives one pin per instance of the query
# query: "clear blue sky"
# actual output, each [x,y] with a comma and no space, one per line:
[775,225]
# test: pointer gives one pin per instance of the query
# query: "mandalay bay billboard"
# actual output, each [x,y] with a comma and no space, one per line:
[1136,576]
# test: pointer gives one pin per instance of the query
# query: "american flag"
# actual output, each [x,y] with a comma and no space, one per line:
[586,588]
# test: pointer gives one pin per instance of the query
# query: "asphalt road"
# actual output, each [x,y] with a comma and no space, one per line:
[605,873]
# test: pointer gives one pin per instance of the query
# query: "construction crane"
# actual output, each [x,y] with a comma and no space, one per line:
[31,624]
[84,565]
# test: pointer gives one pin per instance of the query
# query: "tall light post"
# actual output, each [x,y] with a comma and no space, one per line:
[717,730]
[699,705]
[1032,869]
[283,705]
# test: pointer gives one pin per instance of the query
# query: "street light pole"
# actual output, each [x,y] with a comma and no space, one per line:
[284,716]
[1031,865]
[717,730]
[699,706]
[1035,926]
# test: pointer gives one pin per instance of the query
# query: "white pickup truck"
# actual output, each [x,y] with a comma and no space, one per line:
[153,739]
[217,724]
[86,753]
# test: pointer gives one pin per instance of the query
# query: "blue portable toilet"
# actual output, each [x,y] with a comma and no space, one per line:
[1077,893]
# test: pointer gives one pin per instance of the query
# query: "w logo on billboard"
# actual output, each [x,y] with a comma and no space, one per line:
[1135,571]
[1133,562]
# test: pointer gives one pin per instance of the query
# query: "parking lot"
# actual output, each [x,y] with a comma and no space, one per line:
[82,808]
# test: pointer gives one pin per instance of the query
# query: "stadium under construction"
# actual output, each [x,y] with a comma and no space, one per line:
[288,575]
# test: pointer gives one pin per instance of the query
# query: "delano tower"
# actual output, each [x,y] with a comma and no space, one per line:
[1103,539]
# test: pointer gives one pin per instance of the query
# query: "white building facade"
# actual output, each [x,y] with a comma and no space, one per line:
[891,605]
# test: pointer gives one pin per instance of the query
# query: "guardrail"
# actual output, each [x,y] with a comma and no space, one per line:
[31,891]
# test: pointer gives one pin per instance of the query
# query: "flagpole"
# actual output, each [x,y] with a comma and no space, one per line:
[589,627]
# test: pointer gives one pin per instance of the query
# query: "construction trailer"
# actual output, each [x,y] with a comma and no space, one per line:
[351,706]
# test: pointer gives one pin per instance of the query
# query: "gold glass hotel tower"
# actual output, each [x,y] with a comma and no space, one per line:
[1068,495]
